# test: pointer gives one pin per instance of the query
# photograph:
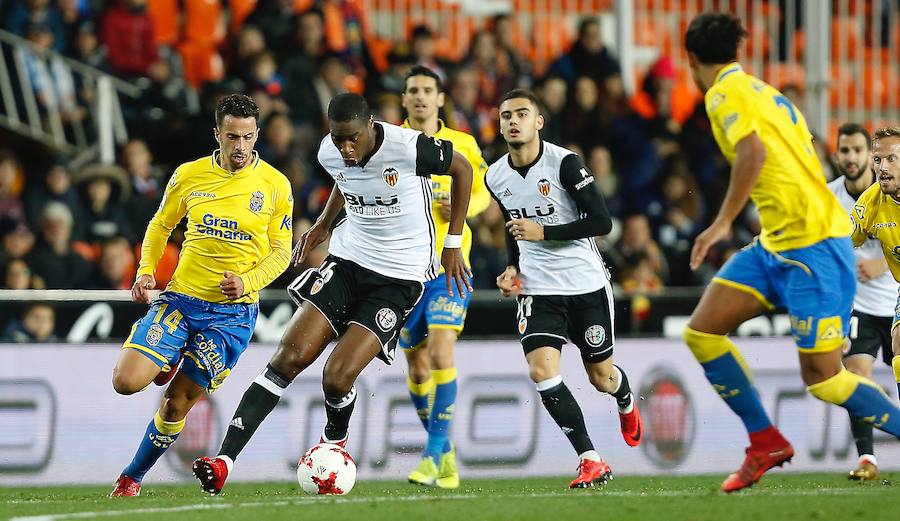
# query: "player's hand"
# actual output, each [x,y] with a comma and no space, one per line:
[445,209]
[455,270]
[508,282]
[717,231]
[869,269]
[232,286]
[314,236]
[140,291]
[525,230]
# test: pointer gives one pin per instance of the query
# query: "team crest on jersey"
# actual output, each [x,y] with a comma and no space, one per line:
[154,335]
[256,201]
[317,285]
[386,319]
[544,187]
[595,335]
[391,176]
[523,325]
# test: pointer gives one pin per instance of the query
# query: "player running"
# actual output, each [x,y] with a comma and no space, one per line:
[553,211]
[876,291]
[802,260]
[379,258]
[239,211]
[430,332]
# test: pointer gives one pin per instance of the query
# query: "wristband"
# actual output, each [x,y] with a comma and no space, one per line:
[453,241]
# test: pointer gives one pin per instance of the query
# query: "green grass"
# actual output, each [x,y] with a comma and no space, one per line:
[781,496]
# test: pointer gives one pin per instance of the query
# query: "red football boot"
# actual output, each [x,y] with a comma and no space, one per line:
[212,473]
[767,449]
[126,487]
[591,472]
[632,426]
[165,377]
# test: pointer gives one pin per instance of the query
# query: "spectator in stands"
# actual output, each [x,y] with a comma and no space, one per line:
[249,43]
[146,183]
[106,188]
[264,75]
[464,114]
[277,143]
[57,187]
[22,14]
[17,275]
[600,164]
[495,75]
[35,326]
[590,57]
[328,83]
[18,241]
[636,244]
[583,116]
[513,54]
[424,51]
[552,92]
[127,33]
[489,253]
[683,220]
[10,186]
[639,276]
[393,81]
[115,268]
[277,18]
[654,103]
[53,258]
[51,78]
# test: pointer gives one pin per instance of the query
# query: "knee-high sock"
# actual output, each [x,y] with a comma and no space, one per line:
[259,399]
[338,410]
[441,412]
[861,397]
[622,394]
[421,394]
[896,365]
[159,437]
[862,435]
[566,412]
[727,371]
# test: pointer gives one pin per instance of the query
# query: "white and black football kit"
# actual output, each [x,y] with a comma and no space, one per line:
[566,292]
[873,304]
[384,249]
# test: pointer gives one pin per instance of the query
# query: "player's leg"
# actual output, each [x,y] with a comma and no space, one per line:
[413,342]
[161,433]
[864,343]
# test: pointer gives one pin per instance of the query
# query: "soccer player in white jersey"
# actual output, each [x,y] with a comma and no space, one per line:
[553,211]
[876,293]
[379,257]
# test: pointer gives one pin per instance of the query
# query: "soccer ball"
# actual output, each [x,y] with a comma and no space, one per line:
[326,469]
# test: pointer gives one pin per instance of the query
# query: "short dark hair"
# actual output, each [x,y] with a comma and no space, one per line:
[347,107]
[886,132]
[848,129]
[714,37]
[421,70]
[421,31]
[236,105]
[523,93]
[586,22]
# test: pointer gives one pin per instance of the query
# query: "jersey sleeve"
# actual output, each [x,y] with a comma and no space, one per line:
[171,210]
[734,112]
[579,183]
[280,234]
[861,217]
[480,199]
[433,156]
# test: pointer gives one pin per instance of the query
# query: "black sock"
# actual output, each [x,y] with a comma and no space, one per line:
[260,398]
[862,434]
[566,412]
[623,395]
[338,409]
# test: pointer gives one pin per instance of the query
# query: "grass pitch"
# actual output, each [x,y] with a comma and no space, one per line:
[780,496]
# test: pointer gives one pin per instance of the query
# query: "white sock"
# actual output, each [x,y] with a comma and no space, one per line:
[229,463]
[591,455]
[870,458]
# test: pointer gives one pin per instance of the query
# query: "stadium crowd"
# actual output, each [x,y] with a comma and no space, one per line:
[652,153]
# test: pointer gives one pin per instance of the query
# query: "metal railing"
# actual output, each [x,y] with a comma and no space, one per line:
[43,98]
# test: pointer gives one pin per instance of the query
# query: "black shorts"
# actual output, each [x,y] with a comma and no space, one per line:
[586,320]
[346,293]
[868,333]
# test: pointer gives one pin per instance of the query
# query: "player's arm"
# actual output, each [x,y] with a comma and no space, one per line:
[435,156]
[171,210]
[579,183]
[318,232]
[280,233]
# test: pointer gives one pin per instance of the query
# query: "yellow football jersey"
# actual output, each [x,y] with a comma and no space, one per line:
[466,145]
[796,209]
[238,222]
[878,215]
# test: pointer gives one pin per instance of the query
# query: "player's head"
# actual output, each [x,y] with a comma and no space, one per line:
[853,150]
[423,93]
[712,39]
[886,159]
[237,129]
[351,127]
[520,118]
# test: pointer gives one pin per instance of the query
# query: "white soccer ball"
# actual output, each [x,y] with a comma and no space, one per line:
[326,469]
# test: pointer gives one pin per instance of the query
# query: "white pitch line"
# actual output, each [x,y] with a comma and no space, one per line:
[448,497]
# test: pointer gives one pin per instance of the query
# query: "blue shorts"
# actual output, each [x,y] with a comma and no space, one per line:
[211,336]
[437,309]
[816,284]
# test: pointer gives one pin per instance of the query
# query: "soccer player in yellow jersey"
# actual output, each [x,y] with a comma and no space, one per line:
[802,260]
[239,212]
[431,329]
[877,215]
